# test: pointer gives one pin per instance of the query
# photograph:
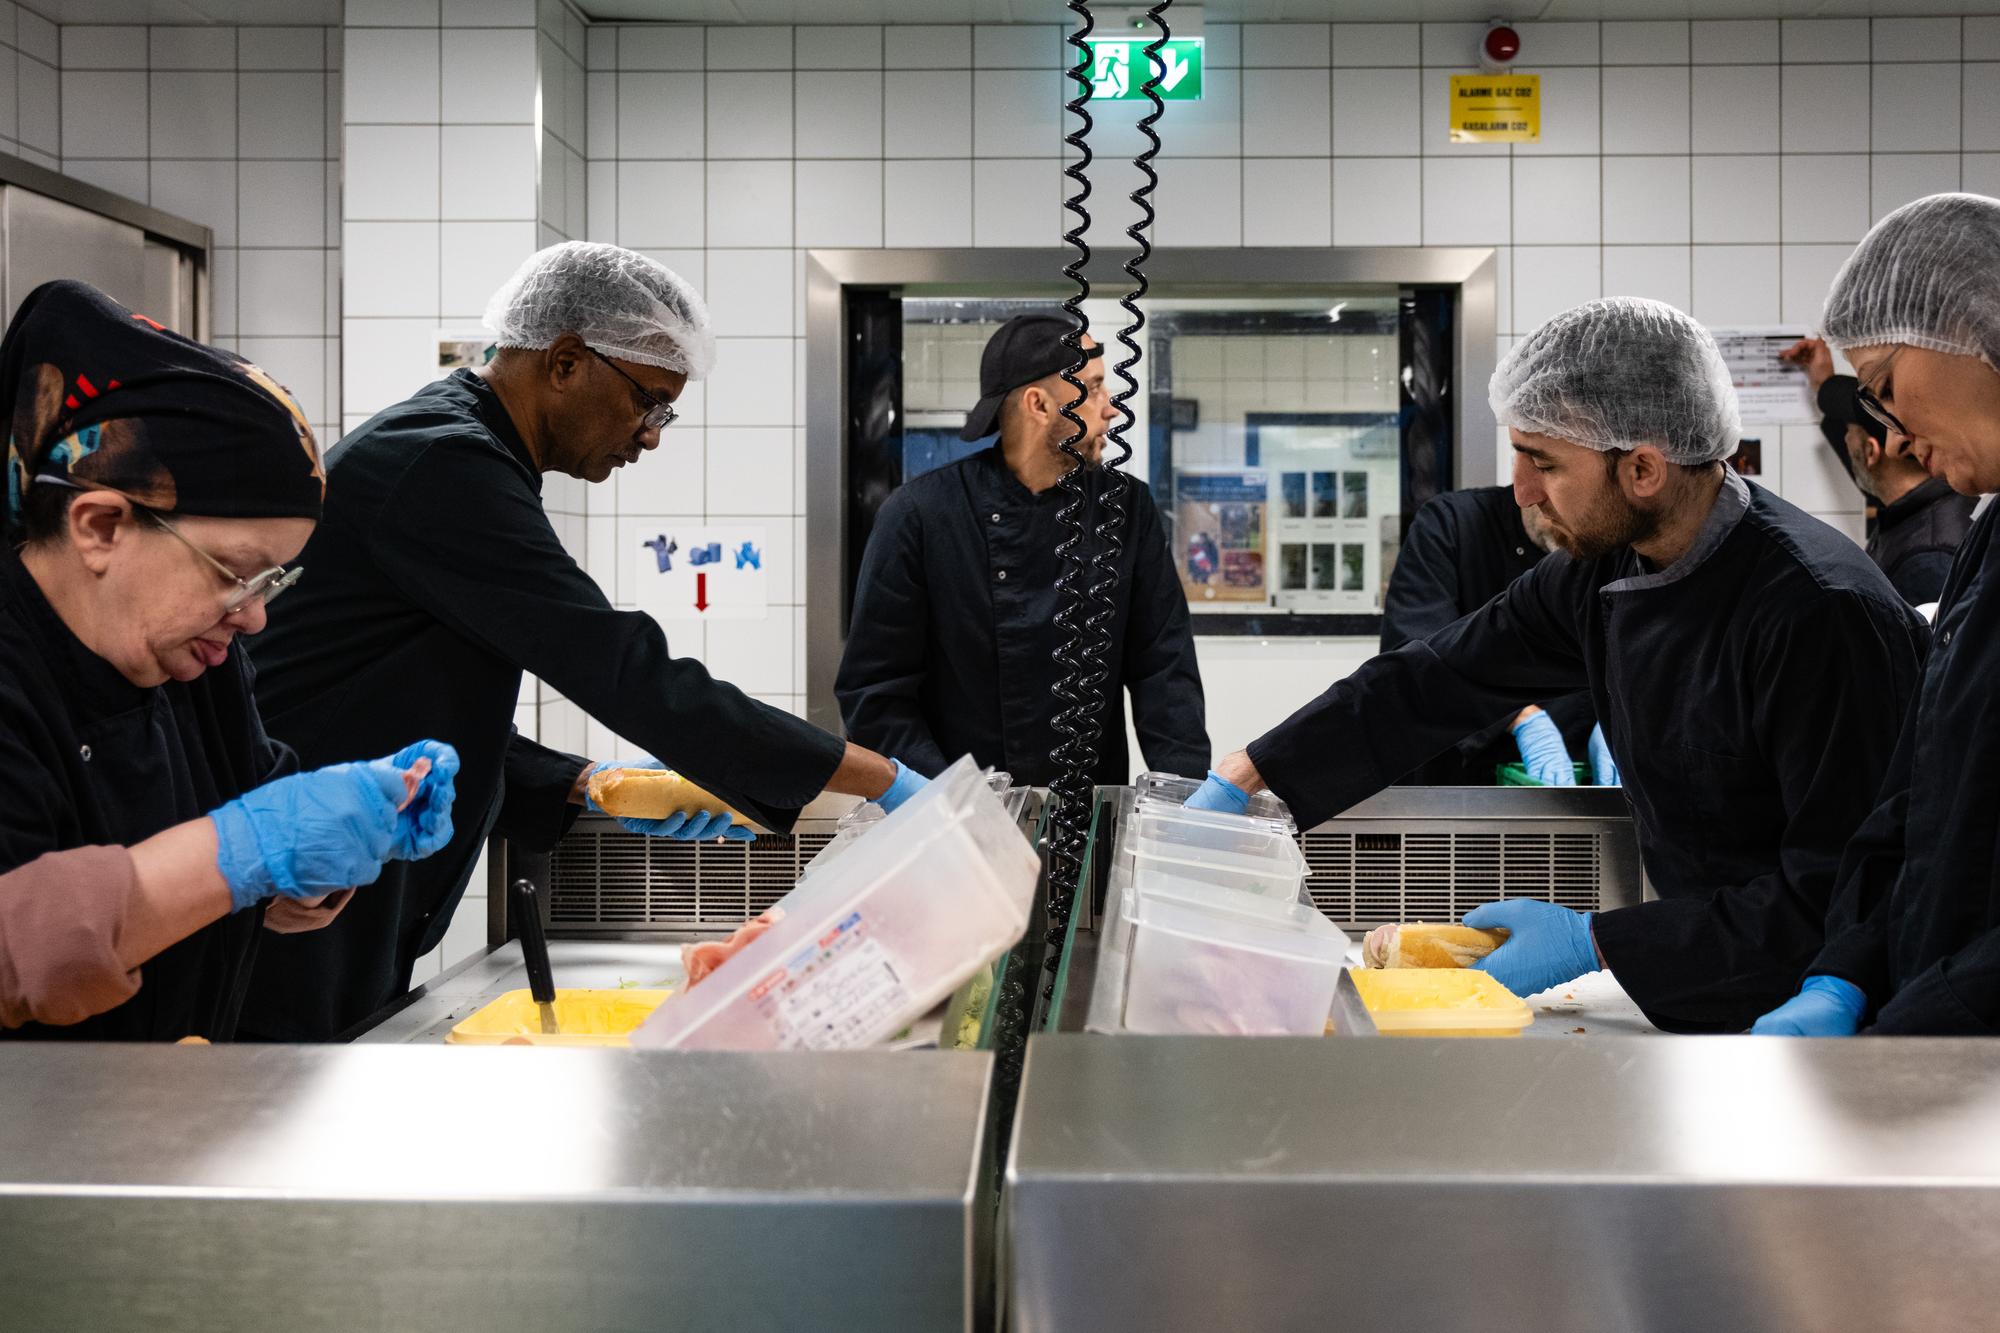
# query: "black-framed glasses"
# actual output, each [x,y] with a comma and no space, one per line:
[264,586]
[1872,404]
[659,413]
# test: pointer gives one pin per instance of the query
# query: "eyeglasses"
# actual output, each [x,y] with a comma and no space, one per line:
[1873,405]
[659,413]
[265,586]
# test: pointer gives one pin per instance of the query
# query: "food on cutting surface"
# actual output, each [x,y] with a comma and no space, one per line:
[586,1017]
[413,778]
[1419,944]
[701,958]
[654,793]
[1439,1002]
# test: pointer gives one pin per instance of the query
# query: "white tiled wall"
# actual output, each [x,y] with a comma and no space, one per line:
[235,128]
[30,87]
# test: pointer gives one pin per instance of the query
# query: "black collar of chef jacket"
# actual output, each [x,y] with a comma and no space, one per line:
[94,687]
[1011,490]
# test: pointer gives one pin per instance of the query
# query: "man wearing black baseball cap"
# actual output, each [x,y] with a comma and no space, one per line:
[951,648]
[1919,520]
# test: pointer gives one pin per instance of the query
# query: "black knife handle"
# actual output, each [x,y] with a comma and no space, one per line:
[527,911]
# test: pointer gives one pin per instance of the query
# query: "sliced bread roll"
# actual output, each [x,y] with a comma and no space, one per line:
[1419,944]
[654,793]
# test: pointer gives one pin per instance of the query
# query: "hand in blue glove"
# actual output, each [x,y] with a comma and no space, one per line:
[1603,767]
[1546,945]
[1824,1007]
[1542,751]
[1219,793]
[313,833]
[908,782]
[681,827]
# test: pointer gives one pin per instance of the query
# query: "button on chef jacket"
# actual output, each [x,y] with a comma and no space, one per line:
[432,583]
[1751,691]
[952,642]
[1463,549]
[1916,923]
[89,759]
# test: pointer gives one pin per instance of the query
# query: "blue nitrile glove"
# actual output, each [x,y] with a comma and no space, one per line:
[1219,793]
[1542,752]
[1547,945]
[424,825]
[907,784]
[313,833]
[1603,767]
[1824,1007]
[681,827]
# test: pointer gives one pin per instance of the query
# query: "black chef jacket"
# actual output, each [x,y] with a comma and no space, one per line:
[1751,690]
[1916,921]
[89,759]
[433,581]
[1463,549]
[1916,537]
[951,650]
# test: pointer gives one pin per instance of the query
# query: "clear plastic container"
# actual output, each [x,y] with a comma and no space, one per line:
[1211,970]
[867,815]
[1439,1002]
[583,1018]
[873,941]
[1228,851]
[1173,789]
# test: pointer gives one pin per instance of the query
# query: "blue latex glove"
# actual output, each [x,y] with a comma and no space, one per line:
[907,784]
[1548,944]
[312,833]
[1542,752]
[1219,793]
[1602,766]
[1824,1007]
[681,827]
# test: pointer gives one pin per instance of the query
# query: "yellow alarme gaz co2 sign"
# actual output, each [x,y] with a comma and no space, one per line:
[1496,108]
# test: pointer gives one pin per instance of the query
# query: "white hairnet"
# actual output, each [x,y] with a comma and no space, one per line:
[1619,373]
[618,301]
[1927,275]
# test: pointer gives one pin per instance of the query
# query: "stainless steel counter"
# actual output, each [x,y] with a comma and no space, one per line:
[1625,1183]
[361,1189]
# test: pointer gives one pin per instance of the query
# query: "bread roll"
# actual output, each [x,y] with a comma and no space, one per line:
[1418,944]
[654,793]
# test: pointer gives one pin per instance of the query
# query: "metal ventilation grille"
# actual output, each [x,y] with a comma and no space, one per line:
[625,881]
[1361,880]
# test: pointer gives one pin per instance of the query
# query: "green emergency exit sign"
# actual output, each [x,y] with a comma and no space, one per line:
[1119,69]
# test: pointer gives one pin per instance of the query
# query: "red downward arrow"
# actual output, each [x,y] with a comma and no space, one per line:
[701,592]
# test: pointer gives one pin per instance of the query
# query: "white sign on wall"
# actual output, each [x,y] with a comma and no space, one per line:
[687,573]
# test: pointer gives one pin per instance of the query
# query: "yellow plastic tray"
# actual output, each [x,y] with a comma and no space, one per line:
[1439,1002]
[585,1017]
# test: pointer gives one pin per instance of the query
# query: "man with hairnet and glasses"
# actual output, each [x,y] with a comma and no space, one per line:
[438,581]
[1913,937]
[1749,665]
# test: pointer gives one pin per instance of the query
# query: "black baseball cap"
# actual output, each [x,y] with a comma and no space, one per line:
[1839,401]
[1024,349]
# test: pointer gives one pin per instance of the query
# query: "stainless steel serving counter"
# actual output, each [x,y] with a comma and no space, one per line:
[363,1189]
[1715,1183]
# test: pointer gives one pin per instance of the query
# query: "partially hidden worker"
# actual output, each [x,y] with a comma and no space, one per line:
[1749,665]
[953,641]
[438,581]
[151,834]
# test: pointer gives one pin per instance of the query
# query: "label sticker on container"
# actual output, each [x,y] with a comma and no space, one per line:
[844,992]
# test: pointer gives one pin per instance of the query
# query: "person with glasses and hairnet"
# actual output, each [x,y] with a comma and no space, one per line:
[1749,665]
[1913,937]
[151,833]
[438,581]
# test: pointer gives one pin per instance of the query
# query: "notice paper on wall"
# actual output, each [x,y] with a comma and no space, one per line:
[1768,392]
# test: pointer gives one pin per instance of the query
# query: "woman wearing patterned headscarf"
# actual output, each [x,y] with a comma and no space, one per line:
[156,489]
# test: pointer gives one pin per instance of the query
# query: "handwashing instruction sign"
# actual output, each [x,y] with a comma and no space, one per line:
[1496,108]
[685,573]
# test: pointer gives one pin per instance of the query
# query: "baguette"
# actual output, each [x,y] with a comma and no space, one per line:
[1419,944]
[655,793]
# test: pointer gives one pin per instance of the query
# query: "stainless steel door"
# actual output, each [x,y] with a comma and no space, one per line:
[46,239]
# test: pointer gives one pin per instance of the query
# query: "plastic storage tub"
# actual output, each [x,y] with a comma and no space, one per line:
[1516,775]
[1439,1002]
[585,1017]
[1228,851]
[1173,789]
[872,941]
[1212,970]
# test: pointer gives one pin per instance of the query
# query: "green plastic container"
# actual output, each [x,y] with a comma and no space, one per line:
[1516,775]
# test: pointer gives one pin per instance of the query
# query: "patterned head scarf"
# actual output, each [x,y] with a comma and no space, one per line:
[98,397]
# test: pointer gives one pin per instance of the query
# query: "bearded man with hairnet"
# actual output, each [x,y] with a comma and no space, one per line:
[438,580]
[1750,666]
